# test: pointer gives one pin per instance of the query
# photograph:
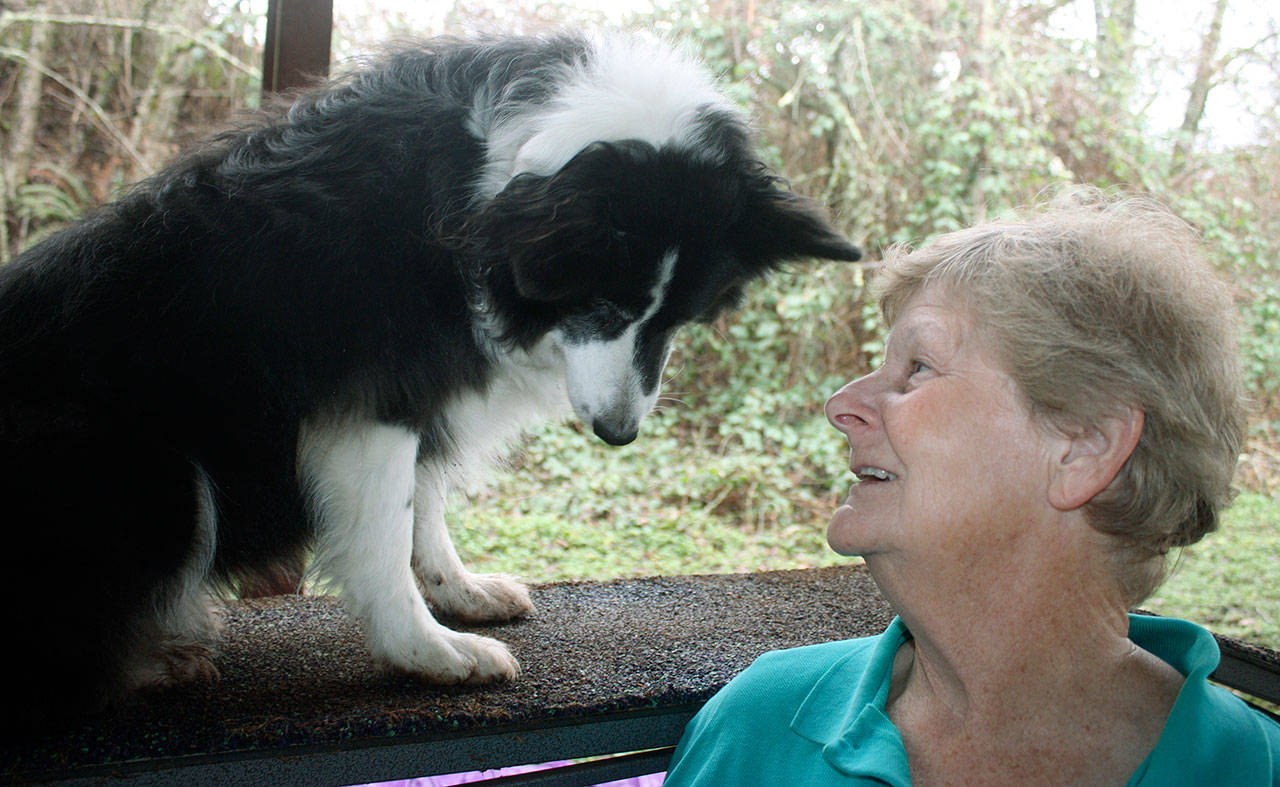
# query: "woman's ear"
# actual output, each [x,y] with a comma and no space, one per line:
[1091,457]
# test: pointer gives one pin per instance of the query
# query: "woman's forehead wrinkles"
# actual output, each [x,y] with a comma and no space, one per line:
[937,326]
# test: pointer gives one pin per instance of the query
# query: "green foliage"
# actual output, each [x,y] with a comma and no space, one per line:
[47,202]
[910,121]
[574,508]
[1241,227]
[59,197]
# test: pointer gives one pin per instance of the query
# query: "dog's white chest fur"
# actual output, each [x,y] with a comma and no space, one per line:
[377,502]
[527,387]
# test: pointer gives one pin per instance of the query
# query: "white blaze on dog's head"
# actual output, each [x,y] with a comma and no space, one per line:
[605,377]
[627,87]
[631,89]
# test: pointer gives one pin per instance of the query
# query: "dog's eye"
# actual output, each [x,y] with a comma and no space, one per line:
[611,312]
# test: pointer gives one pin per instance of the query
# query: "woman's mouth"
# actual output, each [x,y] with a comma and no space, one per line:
[873,474]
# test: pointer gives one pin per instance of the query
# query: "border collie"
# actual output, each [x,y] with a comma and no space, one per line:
[305,333]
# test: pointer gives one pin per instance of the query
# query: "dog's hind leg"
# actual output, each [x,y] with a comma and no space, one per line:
[179,631]
[360,478]
[447,585]
[107,531]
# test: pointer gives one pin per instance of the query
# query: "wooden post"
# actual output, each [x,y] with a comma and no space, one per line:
[296,53]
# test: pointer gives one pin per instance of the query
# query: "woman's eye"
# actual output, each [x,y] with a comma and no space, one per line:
[917,367]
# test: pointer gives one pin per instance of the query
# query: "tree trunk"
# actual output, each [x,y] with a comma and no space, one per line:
[1199,93]
[27,116]
[976,61]
[1115,20]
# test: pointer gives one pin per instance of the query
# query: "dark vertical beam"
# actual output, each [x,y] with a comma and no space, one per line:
[296,53]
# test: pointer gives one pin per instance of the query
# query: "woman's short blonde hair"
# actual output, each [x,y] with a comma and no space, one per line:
[1097,303]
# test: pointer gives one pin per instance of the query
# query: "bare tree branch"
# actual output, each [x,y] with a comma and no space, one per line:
[1244,51]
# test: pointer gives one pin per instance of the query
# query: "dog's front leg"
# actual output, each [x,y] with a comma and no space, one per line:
[360,476]
[447,585]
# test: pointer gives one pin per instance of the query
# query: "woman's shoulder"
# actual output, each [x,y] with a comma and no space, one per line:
[811,657]
[778,682]
[1230,721]
[799,668]
[1213,737]
[744,733]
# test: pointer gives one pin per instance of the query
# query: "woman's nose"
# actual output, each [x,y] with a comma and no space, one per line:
[850,408]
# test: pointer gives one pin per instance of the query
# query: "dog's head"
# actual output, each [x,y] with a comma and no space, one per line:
[627,242]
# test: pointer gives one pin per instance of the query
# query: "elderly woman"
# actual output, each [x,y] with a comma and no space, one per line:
[1060,405]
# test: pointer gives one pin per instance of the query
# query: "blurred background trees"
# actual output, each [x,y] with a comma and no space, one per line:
[94,95]
[907,117]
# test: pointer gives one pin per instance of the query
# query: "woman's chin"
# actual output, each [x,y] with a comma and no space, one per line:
[846,533]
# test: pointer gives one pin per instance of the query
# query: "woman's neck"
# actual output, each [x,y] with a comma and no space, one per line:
[972,644]
[1027,650]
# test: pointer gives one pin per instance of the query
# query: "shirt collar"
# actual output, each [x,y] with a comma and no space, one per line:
[1183,645]
[856,736]
[1193,652]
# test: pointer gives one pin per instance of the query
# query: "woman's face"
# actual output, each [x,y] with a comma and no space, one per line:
[948,458]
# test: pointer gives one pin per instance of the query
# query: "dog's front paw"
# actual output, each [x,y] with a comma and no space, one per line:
[477,598]
[451,657]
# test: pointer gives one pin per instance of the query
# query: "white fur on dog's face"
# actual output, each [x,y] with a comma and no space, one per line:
[605,376]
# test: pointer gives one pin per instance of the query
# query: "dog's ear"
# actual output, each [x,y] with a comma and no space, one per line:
[780,225]
[555,230]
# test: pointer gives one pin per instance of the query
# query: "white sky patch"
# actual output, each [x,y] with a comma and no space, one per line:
[366,23]
[1169,36]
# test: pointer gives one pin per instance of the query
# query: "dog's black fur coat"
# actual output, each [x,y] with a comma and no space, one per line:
[331,260]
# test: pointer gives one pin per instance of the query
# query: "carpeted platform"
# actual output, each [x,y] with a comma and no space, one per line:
[607,665]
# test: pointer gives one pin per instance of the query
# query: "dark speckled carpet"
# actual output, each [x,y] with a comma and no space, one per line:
[295,675]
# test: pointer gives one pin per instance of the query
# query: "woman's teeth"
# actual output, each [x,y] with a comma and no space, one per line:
[874,474]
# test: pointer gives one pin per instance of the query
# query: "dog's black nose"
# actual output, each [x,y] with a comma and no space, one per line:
[614,436]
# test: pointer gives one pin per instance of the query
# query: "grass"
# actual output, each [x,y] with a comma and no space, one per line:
[540,548]
[570,510]
[1229,581]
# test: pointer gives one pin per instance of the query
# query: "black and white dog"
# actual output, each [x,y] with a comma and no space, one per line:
[304,334]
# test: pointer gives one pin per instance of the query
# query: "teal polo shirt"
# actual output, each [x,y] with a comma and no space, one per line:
[816,716]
